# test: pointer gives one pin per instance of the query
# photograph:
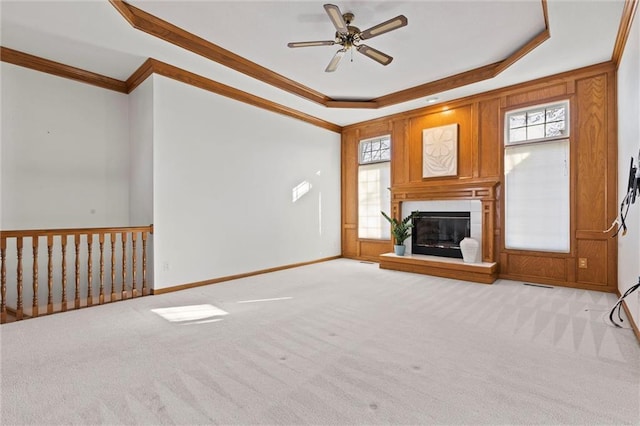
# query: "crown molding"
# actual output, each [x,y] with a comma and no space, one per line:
[543,36]
[140,75]
[444,84]
[173,34]
[153,66]
[467,77]
[629,11]
[540,83]
[61,70]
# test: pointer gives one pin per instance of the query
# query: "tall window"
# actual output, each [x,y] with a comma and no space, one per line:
[374,180]
[537,178]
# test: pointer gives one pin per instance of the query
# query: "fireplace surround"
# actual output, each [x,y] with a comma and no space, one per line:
[479,196]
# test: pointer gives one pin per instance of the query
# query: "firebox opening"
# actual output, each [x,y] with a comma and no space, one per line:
[440,233]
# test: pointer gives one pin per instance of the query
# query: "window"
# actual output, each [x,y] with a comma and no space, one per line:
[375,150]
[374,180]
[537,178]
[539,123]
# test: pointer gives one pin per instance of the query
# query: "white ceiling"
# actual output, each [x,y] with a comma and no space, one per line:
[442,38]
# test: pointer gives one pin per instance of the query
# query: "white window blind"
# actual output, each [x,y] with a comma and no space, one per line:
[537,180]
[374,180]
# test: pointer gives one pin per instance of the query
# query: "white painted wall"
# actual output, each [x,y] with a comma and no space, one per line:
[141,154]
[628,146]
[224,172]
[65,152]
[141,165]
[65,164]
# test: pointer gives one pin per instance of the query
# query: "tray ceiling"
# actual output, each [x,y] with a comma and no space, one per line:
[442,38]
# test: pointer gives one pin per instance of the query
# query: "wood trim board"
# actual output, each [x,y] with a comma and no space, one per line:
[238,276]
[150,24]
[171,33]
[204,83]
[149,67]
[634,326]
[628,13]
[37,63]
[485,273]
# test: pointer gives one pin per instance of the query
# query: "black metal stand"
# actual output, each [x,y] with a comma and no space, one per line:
[618,304]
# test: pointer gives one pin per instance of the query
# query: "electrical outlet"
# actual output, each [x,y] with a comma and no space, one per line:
[582,263]
[165,266]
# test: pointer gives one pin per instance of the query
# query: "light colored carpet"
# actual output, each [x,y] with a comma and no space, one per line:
[344,343]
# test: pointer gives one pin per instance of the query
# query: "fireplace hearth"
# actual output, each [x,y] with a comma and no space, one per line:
[440,233]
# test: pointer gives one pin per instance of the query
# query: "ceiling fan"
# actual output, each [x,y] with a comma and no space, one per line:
[349,37]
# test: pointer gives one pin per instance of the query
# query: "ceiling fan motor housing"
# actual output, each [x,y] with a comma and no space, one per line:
[352,38]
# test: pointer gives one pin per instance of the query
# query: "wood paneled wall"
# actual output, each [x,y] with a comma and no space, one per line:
[591,92]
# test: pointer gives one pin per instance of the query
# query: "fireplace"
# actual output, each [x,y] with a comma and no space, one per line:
[440,233]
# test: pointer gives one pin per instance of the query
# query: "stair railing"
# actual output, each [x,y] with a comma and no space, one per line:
[121,265]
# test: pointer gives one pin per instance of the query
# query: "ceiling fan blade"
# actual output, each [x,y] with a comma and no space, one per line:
[390,25]
[335,60]
[336,18]
[311,43]
[374,54]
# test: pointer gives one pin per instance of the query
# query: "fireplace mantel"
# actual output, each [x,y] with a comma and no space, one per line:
[484,190]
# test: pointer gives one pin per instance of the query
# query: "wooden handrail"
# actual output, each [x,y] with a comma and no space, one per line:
[72,231]
[57,241]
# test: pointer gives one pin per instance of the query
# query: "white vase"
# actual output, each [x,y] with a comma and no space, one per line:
[469,248]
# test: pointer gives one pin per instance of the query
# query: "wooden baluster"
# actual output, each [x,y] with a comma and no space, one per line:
[3,280]
[123,235]
[19,313]
[34,244]
[63,241]
[50,274]
[134,291]
[89,270]
[145,290]
[76,240]
[101,240]
[113,266]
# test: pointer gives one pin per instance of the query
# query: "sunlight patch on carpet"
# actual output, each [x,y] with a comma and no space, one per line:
[265,300]
[189,313]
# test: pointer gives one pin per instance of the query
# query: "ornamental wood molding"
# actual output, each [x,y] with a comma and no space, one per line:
[153,66]
[149,67]
[472,189]
[37,63]
[150,24]
[629,11]
[173,34]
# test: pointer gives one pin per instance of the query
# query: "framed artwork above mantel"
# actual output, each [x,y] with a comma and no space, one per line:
[440,151]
